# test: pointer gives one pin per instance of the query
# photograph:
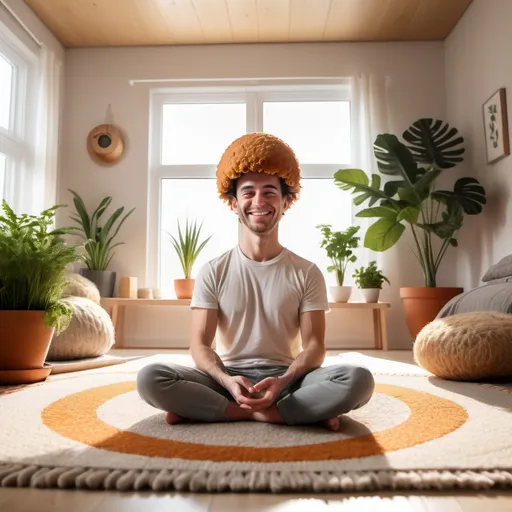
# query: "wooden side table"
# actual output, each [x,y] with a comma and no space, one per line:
[117,310]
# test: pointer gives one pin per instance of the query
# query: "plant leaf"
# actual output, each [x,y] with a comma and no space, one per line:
[383,234]
[379,211]
[410,214]
[394,159]
[434,142]
[467,192]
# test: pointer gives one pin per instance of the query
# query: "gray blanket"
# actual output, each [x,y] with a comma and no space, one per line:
[490,297]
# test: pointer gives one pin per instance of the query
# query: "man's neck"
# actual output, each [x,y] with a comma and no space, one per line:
[260,248]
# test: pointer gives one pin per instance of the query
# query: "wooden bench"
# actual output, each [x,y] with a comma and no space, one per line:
[116,307]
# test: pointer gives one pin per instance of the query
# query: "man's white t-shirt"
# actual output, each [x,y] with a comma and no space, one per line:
[259,305]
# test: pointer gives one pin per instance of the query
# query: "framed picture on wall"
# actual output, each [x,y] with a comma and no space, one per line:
[496,126]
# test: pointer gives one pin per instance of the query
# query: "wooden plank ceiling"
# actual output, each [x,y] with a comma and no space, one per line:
[87,23]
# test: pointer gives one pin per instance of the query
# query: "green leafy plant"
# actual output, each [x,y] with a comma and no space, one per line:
[339,245]
[370,276]
[187,246]
[410,198]
[97,237]
[33,261]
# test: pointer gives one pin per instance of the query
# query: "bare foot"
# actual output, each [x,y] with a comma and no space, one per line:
[172,419]
[331,423]
[270,415]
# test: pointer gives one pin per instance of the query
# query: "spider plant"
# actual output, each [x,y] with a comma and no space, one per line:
[97,237]
[187,245]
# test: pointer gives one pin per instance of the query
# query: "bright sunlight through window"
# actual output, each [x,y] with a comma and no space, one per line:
[318,131]
[198,199]
[197,134]
[6,77]
[194,136]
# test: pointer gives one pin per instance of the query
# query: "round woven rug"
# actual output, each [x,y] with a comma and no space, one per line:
[92,430]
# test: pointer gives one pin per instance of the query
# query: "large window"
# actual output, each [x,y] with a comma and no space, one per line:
[16,115]
[191,130]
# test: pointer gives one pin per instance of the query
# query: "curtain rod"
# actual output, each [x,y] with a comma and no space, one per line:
[18,20]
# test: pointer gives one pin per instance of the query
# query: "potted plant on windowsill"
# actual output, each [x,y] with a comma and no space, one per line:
[410,199]
[187,248]
[370,279]
[98,241]
[339,247]
[33,261]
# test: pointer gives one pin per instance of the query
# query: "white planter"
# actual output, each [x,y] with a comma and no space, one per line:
[371,294]
[340,293]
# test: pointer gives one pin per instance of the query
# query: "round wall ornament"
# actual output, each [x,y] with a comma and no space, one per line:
[105,144]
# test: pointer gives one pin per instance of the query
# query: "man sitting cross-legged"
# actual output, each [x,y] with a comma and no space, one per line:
[261,299]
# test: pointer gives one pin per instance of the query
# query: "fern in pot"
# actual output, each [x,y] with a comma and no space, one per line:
[98,240]
[370,280]
[33,262]
[339,247]
[187,247]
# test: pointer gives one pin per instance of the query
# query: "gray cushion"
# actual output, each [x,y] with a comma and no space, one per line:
[500,270]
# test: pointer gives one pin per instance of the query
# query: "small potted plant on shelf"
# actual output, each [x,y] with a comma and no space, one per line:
[339,247]
[98,241]
[187,248]
[33,276]
[370,279]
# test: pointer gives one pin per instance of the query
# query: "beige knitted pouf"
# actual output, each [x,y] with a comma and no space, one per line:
[90,333]
[79,286]
[467,346]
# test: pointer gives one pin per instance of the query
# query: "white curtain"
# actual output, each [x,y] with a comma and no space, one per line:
[370,117]
[47,136]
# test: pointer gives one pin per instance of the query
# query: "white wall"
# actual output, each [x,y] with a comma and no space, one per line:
[96,78]
[477,64]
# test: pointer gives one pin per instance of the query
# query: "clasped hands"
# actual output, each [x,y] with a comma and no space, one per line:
[255,397]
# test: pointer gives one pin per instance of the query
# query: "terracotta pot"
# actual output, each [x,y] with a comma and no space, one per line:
[24,340]
[184,288]
[422,305]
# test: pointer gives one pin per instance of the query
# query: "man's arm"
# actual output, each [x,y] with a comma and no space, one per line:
[204,326]
[312,330]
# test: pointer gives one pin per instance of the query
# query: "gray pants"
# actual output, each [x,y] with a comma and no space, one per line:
[321,394]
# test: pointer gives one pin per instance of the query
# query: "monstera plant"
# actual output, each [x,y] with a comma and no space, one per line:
[409,197]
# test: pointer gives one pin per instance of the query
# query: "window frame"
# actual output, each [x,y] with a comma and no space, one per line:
[18,142]
[254,96]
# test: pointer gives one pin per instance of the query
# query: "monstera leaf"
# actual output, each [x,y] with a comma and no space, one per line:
[467,192]
[357,181]
[434,142]
[394,159]
[453,219]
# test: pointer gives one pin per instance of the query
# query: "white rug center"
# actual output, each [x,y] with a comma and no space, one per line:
[129,412]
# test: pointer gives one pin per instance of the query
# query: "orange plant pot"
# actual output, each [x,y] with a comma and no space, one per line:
[421,305]
[24,340]
[184,288]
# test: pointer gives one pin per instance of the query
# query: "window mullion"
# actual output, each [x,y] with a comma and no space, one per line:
[259,112]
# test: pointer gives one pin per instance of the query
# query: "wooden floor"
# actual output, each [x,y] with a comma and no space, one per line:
[28,500]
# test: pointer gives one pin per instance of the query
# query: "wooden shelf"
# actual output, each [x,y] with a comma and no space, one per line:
[116,307]
[117,301]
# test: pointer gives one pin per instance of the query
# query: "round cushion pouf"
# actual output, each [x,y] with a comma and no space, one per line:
[79,286]
[90,333]
[467,346]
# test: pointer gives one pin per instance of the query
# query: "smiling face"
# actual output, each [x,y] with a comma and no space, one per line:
[259,202]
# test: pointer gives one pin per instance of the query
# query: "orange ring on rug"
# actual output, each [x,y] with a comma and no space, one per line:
[75,417]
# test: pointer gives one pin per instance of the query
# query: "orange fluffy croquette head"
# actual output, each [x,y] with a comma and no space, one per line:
[258,152]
